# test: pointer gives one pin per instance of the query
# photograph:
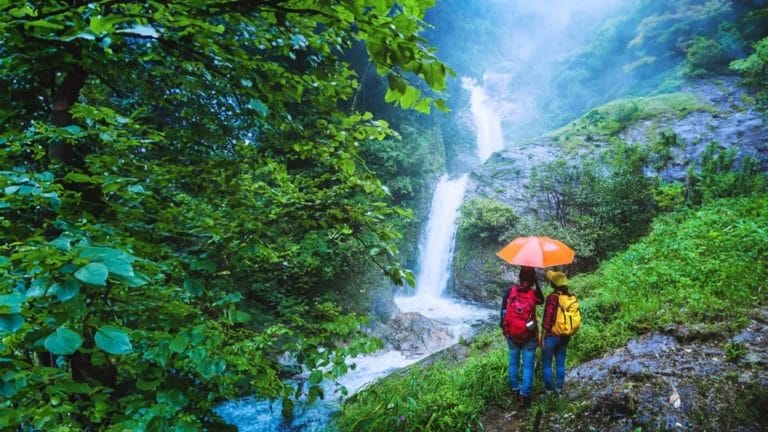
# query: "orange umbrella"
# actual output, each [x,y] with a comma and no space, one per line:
[536,252]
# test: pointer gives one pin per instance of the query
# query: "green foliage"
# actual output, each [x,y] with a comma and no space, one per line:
[601,206]
[734,351]
[660,149]
[696,266]
[669,196]
[403,165]
[484,219]
[435,398]
[163,241]
[607,121]
[720,176]
[754,68]
[704,56]
[649,47]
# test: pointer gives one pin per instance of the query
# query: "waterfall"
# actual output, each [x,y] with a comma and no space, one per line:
[435,259]
[487,120]
[436,251]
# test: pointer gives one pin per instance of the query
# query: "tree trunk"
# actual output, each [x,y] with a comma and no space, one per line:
[65,96]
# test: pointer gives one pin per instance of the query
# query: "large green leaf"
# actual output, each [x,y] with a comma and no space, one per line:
[93,273]
[37,288]
[11,303]
[135,281]
[113,340]
[9,323]
[173,398]
[67,290]
[116,261]
[63,341]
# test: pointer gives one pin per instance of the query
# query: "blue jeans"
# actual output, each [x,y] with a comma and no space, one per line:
[528,351]
[554,346]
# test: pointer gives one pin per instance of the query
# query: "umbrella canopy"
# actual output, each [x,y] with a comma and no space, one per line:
[536,252]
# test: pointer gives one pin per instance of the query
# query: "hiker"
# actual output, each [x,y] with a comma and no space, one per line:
[518,322]
[560,321]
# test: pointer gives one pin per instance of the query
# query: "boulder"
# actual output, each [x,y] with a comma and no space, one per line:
[414,334]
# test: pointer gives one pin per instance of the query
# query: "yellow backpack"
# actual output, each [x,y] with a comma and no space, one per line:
[568,315]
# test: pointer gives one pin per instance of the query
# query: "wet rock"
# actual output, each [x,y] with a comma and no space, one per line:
[414,334]
[733,123]
[749,337]
[697,332]
[616,405]
[480,276]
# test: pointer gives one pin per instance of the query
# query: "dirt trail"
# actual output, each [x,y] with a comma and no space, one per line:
[692,378]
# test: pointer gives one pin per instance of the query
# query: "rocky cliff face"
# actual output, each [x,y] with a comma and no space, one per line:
[733,122]
[715,110]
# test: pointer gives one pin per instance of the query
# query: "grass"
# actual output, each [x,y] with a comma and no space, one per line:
[607,121]
[696,267]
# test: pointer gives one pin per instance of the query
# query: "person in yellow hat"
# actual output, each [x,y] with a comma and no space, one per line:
[556,335]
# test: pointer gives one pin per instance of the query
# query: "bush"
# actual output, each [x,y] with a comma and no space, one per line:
[722,176]
[704,56]
[484,219]
[754,68]
[608,205]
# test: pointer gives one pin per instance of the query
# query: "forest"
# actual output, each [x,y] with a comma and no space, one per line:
[205,201]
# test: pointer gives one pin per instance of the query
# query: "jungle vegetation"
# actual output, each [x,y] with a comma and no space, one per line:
[187,185]
[182,182]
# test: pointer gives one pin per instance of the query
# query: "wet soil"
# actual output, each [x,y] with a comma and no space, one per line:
[684,379]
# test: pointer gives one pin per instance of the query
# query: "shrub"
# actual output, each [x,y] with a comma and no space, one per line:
[754,68]
[722,176]
[704,56]
[484,219]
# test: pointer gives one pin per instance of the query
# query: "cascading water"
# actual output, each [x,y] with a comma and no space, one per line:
[435,257]
[487,121]
[437,250]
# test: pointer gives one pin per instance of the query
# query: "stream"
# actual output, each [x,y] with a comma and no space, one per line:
[436,248]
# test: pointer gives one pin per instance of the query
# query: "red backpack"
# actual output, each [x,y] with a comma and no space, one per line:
[520,317]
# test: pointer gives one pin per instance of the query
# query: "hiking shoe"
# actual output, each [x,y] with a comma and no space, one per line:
[524,401]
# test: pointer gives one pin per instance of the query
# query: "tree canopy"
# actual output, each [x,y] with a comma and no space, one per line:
[180,182]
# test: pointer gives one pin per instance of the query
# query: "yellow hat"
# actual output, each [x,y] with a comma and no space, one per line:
[557,278]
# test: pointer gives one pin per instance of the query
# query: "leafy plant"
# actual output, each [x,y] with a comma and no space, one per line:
[484,219]
[704,56]
[734,351]
[754,68]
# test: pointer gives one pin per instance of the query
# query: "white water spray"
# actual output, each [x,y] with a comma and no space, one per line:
[487,120]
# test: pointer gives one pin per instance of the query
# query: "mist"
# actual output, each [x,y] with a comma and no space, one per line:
[543,64]
[513,49]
